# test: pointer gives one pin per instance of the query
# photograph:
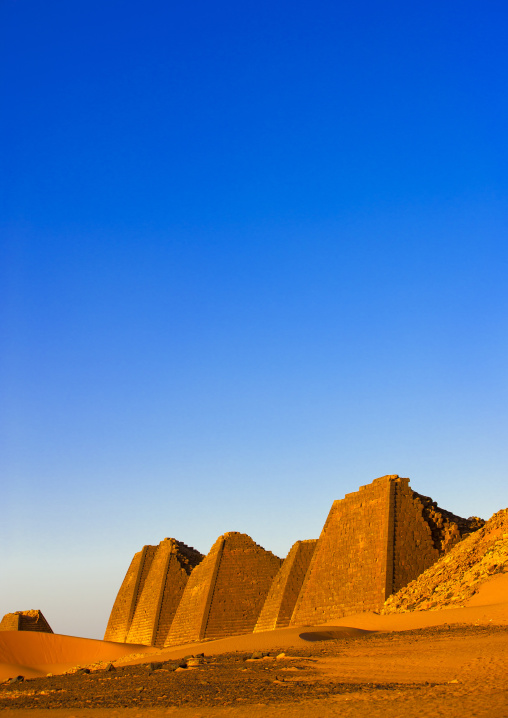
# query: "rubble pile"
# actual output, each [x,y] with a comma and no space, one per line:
[457,576]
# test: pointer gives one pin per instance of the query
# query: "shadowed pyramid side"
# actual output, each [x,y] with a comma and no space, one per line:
[282,596]
[25,621]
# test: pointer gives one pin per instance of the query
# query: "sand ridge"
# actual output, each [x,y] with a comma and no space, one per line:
[35,654]
[429,672]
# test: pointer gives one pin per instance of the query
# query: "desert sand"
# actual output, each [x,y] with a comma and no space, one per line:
[391,665]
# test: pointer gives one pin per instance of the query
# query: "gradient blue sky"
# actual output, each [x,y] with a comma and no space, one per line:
[253,255]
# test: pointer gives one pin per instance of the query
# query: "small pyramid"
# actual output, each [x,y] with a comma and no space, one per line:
[280,602]
[226,592]
[25,621]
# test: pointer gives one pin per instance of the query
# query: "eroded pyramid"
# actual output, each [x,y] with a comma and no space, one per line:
[150,593]
[25,621]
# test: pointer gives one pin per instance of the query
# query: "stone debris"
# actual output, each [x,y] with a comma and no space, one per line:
[153,666]
[457,576]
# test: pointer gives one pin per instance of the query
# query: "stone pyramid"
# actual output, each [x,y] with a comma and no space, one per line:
[162,591]
[374,542]
[150,593]
[226,592]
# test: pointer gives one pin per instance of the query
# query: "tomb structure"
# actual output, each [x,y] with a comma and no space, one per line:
[150,593]
[374,542]
[25,621]
[226,592]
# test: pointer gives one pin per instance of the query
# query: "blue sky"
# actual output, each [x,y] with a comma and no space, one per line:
[252,256]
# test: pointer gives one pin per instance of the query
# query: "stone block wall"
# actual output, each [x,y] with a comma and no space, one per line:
[413,549]
[25,621]
[423,532]
[281,599]
[226,592]
[348,571]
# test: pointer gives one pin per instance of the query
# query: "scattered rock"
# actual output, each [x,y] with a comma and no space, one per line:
[259,654]
[17,679]
[154,666]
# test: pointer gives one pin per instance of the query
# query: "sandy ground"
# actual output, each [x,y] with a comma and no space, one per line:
[365,665]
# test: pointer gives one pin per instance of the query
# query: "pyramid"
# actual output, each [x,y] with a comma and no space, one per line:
[374,542]
[150,593]
[280,602]
[162,590]
[25,621]
[225,593]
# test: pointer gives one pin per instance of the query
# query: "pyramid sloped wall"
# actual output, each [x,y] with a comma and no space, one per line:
[126,600]
[161,593]
[226,592]
[348,570]
[190,618]
[374,541]
[181,565]
[281,599]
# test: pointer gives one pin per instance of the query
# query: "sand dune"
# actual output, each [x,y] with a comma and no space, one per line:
[36,654]
[488,606]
